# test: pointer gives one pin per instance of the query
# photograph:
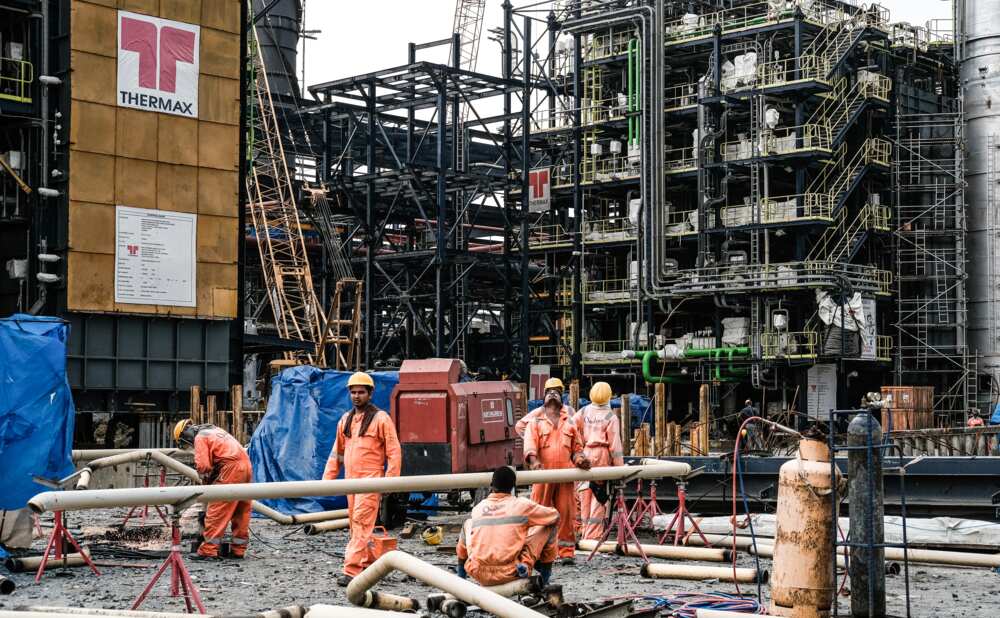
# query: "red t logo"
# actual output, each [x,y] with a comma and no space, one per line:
[140,37]
[538,181]
[175,46]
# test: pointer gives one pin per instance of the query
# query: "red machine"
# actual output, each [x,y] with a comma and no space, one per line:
[449,427]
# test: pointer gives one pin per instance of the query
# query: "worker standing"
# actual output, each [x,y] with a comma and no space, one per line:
[602,444]
[367,447]
[506,537]
[522,423]
[220,460]
[552,441]
[975,420]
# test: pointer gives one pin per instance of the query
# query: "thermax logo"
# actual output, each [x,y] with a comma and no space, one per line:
[157,64]
[133,250]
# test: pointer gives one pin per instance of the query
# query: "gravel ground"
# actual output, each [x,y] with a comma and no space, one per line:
[286,567]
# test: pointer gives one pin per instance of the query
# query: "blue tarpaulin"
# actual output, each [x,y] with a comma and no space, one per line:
[638,404]
[36,406]
[293,440]
[995,419]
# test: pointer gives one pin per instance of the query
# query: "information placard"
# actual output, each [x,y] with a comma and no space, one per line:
[155,257]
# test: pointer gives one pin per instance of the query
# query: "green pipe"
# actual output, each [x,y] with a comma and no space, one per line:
[715,354]
[650,377]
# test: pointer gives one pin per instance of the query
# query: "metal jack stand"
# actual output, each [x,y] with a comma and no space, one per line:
[639,506]
[57,542]
[681,514]
[645,508]
[620,521]
[145,508]
[180,579]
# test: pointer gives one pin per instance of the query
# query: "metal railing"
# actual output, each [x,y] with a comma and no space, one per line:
[549,354]
[780,141]
[680,222]
[608,230]
[16,77]
[606,351]
[608,169]
[779,72]
[552,235]
[813,206]
[591,112]
[610,291]
[607,45]
[789,345]
[883,347]
[790,275]
[696,26]
[676,160]
[679,97]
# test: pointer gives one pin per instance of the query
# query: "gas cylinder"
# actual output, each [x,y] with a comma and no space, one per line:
[802,576]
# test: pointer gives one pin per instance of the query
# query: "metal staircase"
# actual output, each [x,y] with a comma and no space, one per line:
[837,41]
[343,325]
[841,241]
[841,175]
[845,103]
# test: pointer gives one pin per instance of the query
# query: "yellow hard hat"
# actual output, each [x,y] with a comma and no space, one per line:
[600,393]
[179,428]
[361,378]
[554,383]
[433,535]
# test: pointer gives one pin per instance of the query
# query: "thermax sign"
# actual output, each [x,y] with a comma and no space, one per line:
[157,64]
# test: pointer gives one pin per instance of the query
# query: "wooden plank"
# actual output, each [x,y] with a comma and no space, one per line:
[659,417]
[574,394]
[211,413]
[236,399]
[196,405]
[704,415]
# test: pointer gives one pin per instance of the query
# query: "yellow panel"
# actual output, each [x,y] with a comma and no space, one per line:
[108,3]
[135,182]
[219,99]
[224,303]
[218,192]
[217,238]
[92,127]
[210,278]
[220,53]
[91,177]
[218,145]
[94,78]
[90,282]
[94,29]
[178,140]
[221,15]
[91,227]
[177,187]
[136,134]
[181,10]
[146,7]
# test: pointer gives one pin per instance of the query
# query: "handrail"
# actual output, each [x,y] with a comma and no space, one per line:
[779,141]
[16,86]
[789,344]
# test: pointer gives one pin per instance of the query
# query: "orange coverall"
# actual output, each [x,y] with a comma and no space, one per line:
[363,456]
[503,532]
[522,423]
[602,444]
[220,459]
[555,446]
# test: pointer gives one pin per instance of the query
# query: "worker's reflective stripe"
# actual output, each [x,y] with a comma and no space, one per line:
[617,454]
[240,541]
[500,521]
[340,458]
[610,416]
[595,520]
[567,544]
[213,541]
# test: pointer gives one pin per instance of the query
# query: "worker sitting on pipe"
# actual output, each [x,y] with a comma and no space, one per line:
[507,536]
[219,459]
[602,444]
[368,447]
[552,441]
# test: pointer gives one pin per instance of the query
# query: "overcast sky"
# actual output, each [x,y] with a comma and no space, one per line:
[358,37]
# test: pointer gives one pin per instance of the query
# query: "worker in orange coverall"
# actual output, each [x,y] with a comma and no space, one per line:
[368,447]
[522,423]
[602,444]
[552,441]
[220,460]
[506,537]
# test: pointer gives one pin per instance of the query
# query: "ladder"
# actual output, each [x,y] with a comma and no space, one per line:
[756,145]
[468,24]
[275,219]
[343,325]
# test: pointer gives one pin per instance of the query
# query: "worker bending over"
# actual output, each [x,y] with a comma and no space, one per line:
[552,441]
[220,460]
[507,537]
[367,447]
[602,444]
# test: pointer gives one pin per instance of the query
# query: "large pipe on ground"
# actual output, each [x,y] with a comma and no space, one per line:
[44,611]
[321,516]
[336,611]
[30,563]
[685,571]
[923,556]
[464,590]
[327,526]
[724,540]
[110,498]
[453,608]
[7,586]
[670,552]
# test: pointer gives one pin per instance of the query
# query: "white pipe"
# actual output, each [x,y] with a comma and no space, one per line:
[322,516]
[92,454]
[45,611]
[765,548]
[336,611]
[660,570]
[670,552]
[110,498]
[462,589]
[270,513]
[725,541]
[718,613]
[327,526]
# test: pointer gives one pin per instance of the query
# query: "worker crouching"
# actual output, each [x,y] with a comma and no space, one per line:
[507,537]
[552,441]
[602,445]
[220,460]
[368,447]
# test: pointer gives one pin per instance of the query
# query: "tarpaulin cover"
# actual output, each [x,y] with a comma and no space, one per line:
[36,406]
[293,440]
[638,404]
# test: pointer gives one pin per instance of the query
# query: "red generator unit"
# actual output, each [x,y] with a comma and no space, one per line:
[449,427]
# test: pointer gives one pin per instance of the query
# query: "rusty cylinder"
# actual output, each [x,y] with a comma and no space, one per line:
[802,573]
